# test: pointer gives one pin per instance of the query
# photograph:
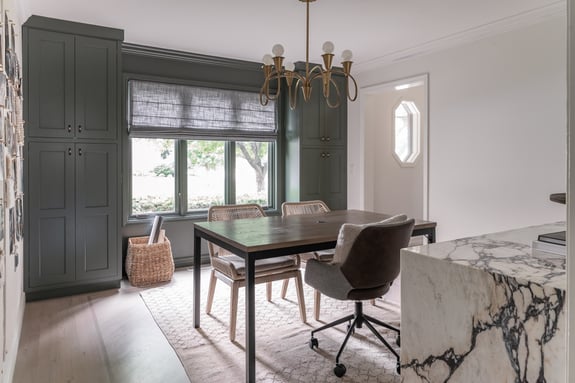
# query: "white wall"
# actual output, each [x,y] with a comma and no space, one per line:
[497,130]
[13,310]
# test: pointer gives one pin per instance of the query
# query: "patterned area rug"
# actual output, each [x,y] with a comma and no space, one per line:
[282,351]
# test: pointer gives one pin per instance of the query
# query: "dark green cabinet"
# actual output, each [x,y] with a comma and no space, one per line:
[72,151]
[73,225]
[72,89]
[316,154]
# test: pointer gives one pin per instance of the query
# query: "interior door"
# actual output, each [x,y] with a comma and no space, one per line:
[398,186]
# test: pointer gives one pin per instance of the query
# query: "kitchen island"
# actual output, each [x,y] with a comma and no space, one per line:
[484,309]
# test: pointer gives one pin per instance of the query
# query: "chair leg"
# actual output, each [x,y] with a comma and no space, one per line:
[334,323]
[233,310]
[378,335]
[211,290]
[269,291]
[284,288]
[316,304]
[382,324]
[373,302]
[347,335]
[300,297]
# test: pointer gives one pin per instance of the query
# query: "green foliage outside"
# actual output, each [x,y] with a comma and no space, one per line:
[209,155]
[153,204]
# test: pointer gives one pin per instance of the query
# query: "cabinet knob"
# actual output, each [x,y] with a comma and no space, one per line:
[328,155]
[322,138]
[327,138]
[69,151]
[79,151]
[69,128]
[322,155]
[79,128]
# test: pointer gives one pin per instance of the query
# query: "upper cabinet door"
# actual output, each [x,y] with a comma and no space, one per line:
[320,124]
[50,84]
[96,97]
[72,86]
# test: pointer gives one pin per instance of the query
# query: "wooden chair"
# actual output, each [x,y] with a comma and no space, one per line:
[230,268]
[308,207]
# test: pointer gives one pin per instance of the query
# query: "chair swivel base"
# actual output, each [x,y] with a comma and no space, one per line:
[357,319]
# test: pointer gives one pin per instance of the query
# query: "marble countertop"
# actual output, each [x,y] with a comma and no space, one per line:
[508,253]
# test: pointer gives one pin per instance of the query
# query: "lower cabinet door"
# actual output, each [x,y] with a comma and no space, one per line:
[51,243]
[73,227]
[96,211]
[324,176]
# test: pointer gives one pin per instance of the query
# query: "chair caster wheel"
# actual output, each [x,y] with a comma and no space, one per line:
[398,341]
[313,343]
[339,370]
[398,368]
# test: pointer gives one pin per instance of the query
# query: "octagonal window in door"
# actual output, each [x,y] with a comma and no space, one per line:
[406,133]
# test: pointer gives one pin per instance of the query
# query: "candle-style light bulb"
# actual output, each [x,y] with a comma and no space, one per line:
[289,66]
[268,59]
[328,47]
[278,50]
[346,55]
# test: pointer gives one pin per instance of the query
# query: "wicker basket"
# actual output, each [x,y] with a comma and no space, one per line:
[149,264]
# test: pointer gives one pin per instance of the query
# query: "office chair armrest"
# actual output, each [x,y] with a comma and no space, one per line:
[327,278]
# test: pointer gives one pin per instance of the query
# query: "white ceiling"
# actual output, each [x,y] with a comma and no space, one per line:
[377,31]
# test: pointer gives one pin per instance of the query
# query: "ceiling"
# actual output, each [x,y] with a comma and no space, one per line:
[377,31]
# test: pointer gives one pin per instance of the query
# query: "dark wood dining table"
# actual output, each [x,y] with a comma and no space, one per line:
[273,236]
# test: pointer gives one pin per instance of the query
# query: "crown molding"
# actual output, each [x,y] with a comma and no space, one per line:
[506,24]
[170,54]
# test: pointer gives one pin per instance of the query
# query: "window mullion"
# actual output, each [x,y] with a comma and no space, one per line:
[181,178]
[230,170]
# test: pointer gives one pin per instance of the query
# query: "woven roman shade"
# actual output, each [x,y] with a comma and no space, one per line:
[166,110]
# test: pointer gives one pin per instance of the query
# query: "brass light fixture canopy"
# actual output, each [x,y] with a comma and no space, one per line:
[275,69]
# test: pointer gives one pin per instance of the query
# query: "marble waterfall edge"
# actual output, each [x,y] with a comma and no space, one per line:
[483,309]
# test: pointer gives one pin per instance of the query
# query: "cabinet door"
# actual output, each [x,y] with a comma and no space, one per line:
[96,89]
[334,121]
[51,204]
[50,84]
[320,124]
[96,211]
[324,176]
[311,129]
[311,174]
[334,170]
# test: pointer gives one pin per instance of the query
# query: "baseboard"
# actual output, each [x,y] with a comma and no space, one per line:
[72,290]
[12,354]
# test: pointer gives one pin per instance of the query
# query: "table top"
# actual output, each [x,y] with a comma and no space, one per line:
[277,232]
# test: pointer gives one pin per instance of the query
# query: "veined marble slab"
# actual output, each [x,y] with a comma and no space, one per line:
[483,309]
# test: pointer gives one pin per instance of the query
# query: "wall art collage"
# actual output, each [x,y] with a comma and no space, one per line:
[11,145]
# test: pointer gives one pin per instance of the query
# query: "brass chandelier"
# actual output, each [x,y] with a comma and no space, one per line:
[274,69]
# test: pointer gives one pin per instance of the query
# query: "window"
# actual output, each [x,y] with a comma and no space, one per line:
[406,128]
[193,147]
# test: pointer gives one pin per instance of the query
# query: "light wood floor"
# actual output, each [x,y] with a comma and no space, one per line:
[101,337]
[104,337]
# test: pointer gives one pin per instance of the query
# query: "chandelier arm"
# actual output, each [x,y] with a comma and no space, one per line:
[338,93]
[348,89]
[292,94]
[266,87]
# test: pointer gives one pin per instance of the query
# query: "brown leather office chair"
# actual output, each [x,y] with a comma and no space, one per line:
[365,264]
[300,208]
[230,268]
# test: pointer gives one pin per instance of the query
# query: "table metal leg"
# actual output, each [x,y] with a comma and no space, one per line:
[197,276]
[431,236]
[250,321]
